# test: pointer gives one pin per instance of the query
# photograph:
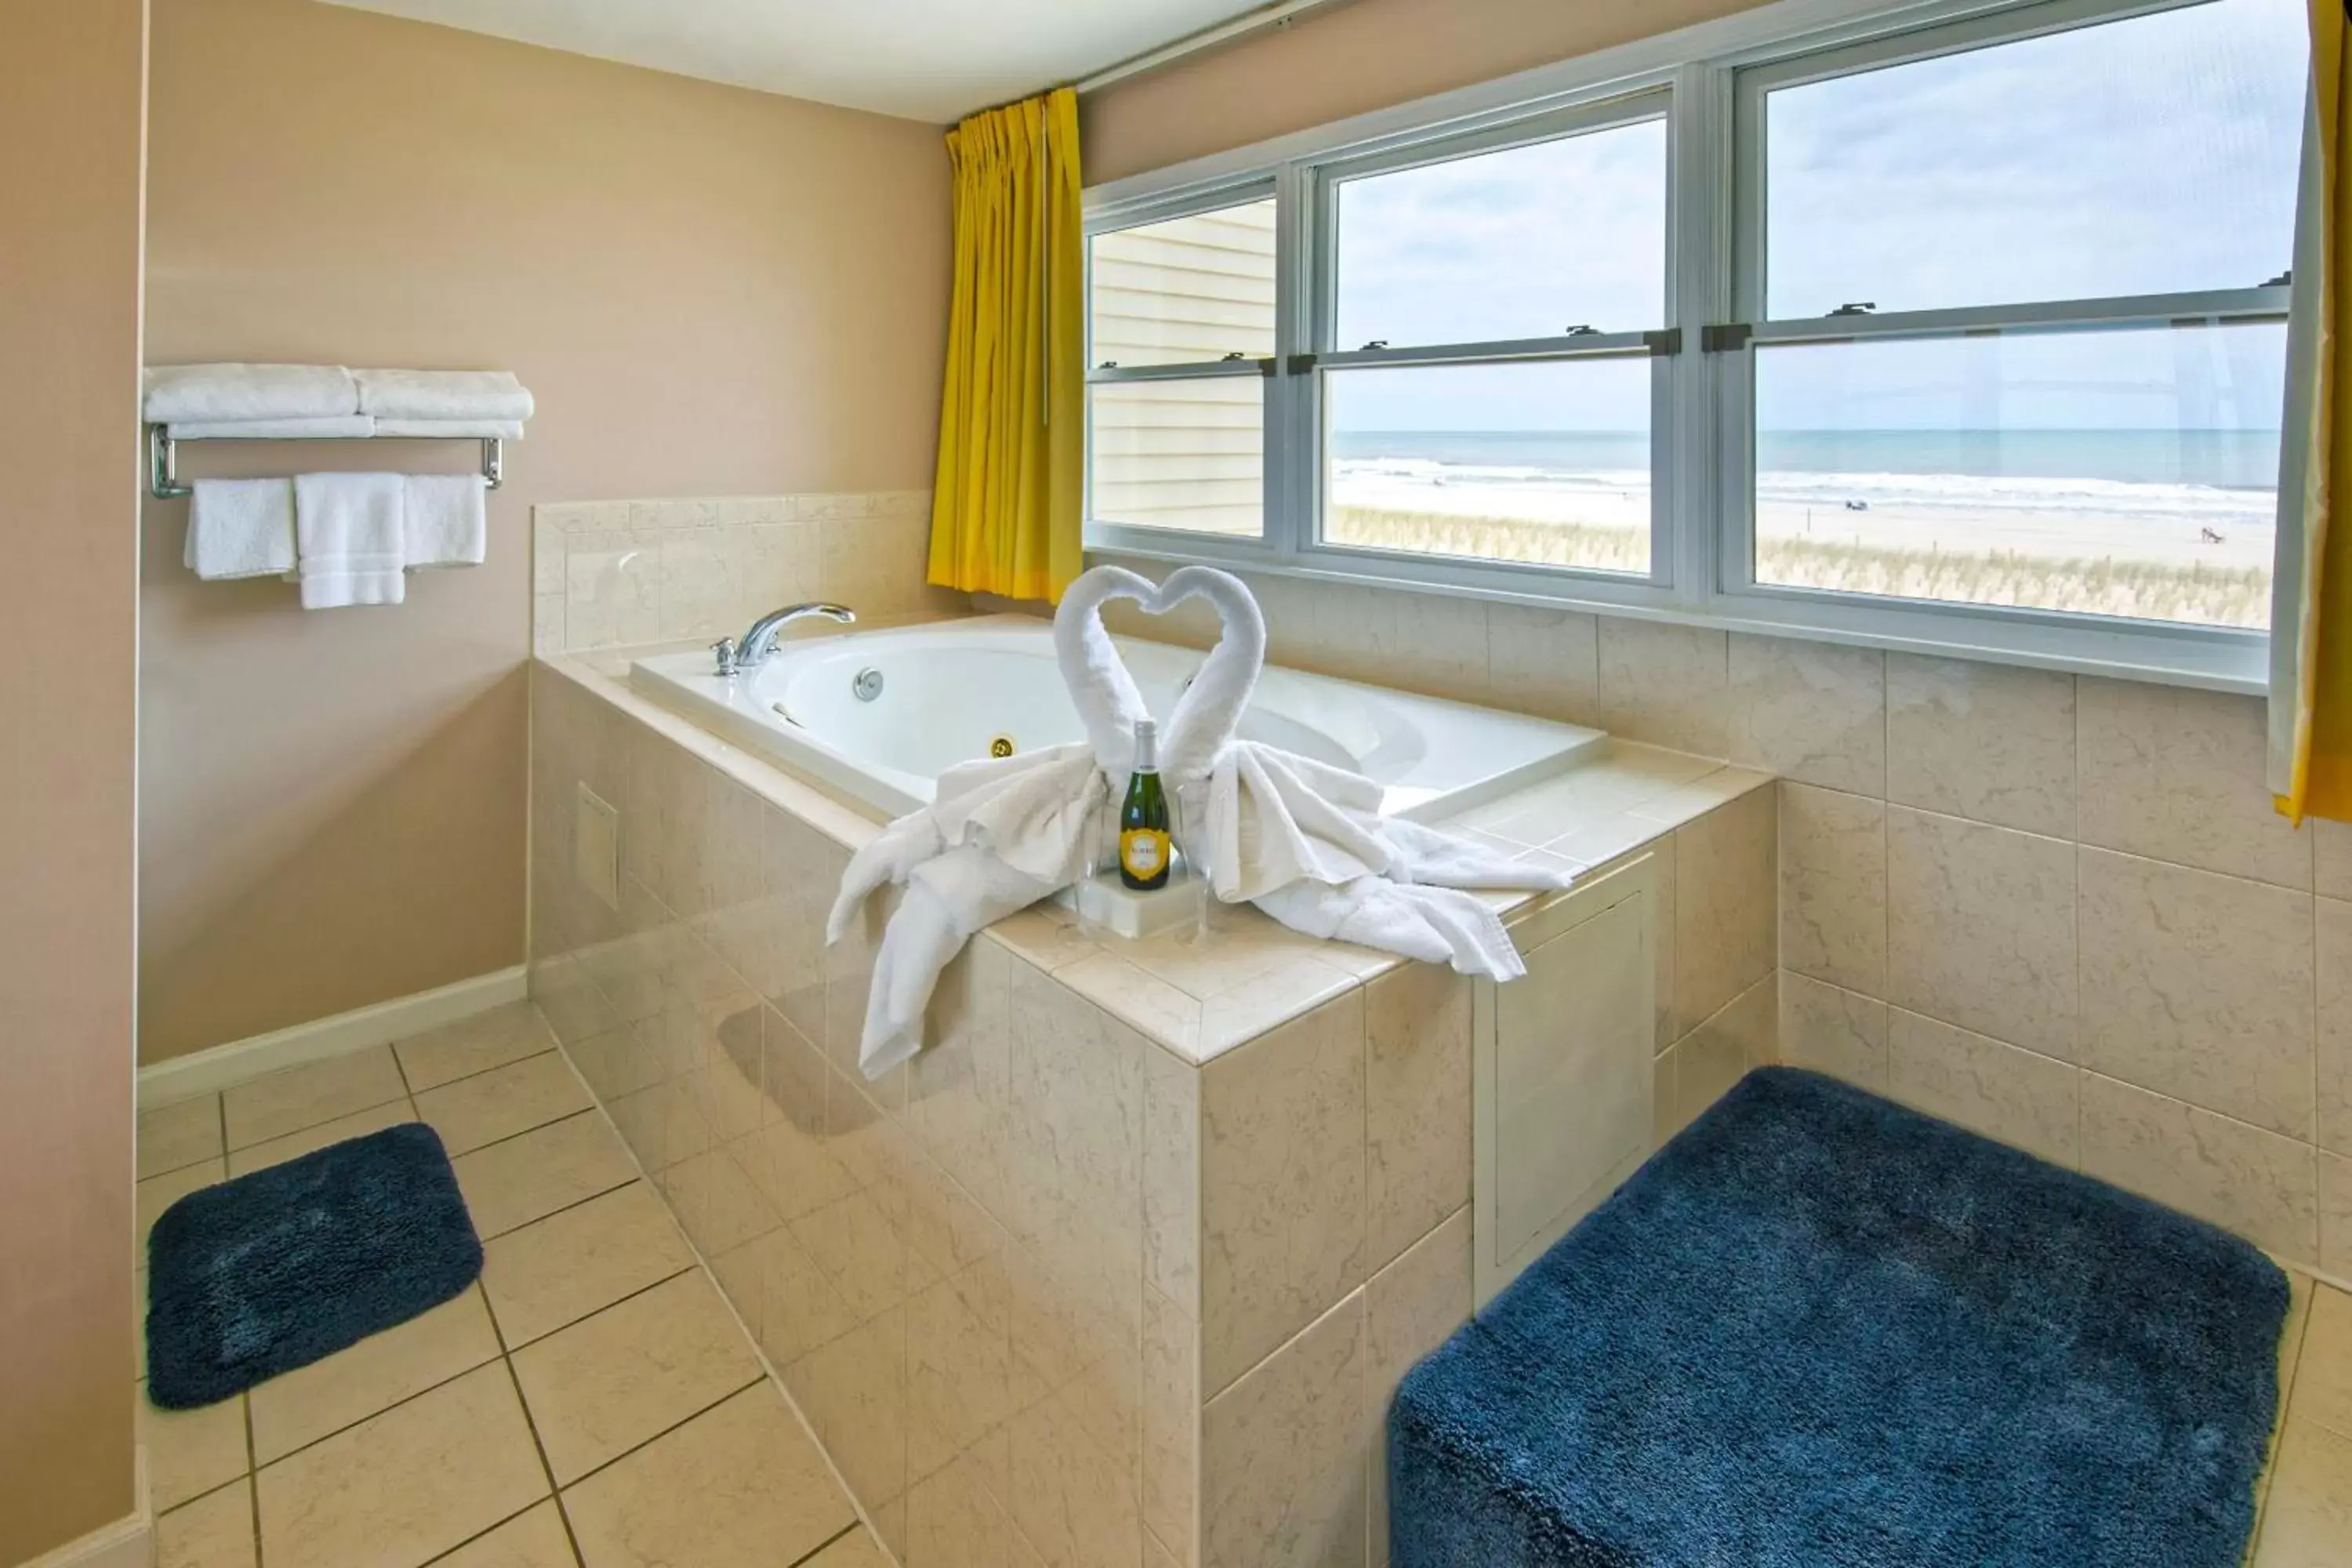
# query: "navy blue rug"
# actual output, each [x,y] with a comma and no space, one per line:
[276,1270]
[1819,1330]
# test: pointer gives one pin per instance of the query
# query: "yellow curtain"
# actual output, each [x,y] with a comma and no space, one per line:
[1005,510]
[2314,777]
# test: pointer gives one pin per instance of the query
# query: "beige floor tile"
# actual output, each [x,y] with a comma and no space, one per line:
[519,1180]
[159,1193]
[358,1125]
[303,1096]
[312,1401]
[855,1550]
[214,1532]
[505,1101]
[405,1486]
[2308,1520]
[473,1044]
[631,1371]
[178,1135]
[190,1452]
[532,1540]
[561,1269]
[740,1487]
[2322,1379]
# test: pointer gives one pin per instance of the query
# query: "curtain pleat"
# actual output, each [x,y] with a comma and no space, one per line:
[1006,506]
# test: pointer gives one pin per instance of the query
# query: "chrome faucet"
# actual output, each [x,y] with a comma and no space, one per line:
[758,643]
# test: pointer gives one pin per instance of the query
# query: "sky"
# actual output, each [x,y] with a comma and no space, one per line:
[2150,155]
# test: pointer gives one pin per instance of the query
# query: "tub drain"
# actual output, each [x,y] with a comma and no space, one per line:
[1001,746]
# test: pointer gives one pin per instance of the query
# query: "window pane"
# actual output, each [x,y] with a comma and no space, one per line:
[1186,455]
[1185,291]
[1525,243]
[1546,463]
[2122,473]
[2136,157]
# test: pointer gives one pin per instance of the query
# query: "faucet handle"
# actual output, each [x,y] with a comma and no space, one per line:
[723,651]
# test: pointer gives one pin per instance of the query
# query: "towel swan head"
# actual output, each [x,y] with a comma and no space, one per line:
[1209,708]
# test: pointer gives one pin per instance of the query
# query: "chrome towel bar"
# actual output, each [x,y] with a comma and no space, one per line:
[163,457]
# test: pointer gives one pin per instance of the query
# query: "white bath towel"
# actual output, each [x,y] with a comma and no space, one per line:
[1302,841]
[228,392]
[443,519]
[240,528]
[350,539]
[437,429]
[322,428]
[442,395]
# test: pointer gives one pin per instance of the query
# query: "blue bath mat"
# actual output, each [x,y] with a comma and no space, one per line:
[1819,1330]
[276,1270]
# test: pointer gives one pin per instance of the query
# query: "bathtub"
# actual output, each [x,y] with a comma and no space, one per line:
[952,691]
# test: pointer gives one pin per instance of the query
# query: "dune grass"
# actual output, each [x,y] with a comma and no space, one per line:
[2145,590]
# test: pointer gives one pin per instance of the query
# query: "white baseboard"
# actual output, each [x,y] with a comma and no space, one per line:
[206,1072]
[128,1543]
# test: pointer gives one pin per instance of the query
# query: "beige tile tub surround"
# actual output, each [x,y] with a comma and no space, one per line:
[622,574]
[645,1427]
[2085,871]
[1150,1225]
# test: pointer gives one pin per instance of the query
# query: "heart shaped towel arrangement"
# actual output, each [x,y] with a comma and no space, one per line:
[1302,841]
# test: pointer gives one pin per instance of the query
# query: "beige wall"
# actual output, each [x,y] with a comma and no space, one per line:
[1351,60]
[69,151]
[710,291]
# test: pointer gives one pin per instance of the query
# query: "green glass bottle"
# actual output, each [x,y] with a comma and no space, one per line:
[1143,850]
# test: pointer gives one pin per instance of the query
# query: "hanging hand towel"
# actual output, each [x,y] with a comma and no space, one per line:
[177,392]
[240,528]
[487,429]
[351,537]
[442,394]
[444,520]
[337,427]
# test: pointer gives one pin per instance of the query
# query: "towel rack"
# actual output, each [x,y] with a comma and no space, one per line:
[163,457]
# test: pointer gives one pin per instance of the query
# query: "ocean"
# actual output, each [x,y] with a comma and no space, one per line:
[2215,460]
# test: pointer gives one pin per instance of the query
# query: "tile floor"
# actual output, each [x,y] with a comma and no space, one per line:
[593,1403]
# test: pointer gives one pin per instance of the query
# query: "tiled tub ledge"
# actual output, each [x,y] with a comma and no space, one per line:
[1123,1268]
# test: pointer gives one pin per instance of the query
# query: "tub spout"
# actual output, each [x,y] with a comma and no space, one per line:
[759,642]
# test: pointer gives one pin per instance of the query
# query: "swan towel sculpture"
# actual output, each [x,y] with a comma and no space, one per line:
[1303,841]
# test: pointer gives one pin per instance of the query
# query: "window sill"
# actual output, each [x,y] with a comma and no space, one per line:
[2211,659]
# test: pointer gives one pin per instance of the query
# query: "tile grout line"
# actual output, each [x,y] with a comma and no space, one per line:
[567,1209]
[687,1420]
[538,1444]
[820,1548]
[505,1349]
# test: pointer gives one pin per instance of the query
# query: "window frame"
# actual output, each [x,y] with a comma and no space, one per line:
[1712,80]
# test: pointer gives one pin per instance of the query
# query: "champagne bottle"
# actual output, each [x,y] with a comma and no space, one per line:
[1143,852]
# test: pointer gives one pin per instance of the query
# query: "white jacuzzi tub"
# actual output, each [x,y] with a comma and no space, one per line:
[951,690]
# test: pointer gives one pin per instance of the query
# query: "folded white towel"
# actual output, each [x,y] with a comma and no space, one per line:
[350,536]
[442,521]
[240,528]
[442,395]
[1301,839]
[212,392]
[499,429]
[339,427]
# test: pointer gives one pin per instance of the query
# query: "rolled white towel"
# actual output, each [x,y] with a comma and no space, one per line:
[240,528]
[442,394]
[324,427]
[499,430]
[218,392]
[349,535]
[442,521]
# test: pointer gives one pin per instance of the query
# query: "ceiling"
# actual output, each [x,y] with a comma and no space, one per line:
[935,60]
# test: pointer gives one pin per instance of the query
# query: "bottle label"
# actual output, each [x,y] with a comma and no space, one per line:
[1143,852]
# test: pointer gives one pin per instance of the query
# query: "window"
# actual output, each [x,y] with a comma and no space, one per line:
[1181,326]
[2024,315]
[1486,386]
[1960,324]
